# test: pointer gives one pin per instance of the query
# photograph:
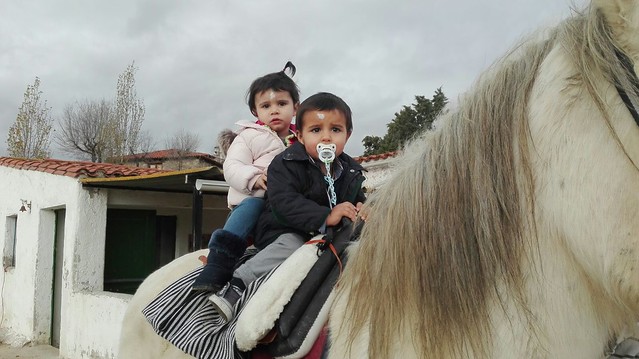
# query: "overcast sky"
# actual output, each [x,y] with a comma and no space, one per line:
[196,59]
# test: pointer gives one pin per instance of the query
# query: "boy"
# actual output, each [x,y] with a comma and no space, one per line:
[299,197]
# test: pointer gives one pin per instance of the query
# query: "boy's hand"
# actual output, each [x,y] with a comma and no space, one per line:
[260,183]
[362,211]
[344,209]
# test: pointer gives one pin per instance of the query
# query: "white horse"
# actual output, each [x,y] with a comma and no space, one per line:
[512,230]
[137,338]
[507,232]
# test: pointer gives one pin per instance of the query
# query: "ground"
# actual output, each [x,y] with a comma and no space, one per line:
[28,352]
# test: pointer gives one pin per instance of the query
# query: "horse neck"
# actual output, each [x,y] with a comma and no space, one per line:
[570,316]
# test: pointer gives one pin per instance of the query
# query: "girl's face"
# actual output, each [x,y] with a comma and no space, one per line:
[276,109]
[323,127]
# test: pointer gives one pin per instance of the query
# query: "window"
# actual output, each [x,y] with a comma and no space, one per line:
[9,255]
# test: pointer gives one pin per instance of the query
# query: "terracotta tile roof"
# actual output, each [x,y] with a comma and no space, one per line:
[77,169]
[378,157]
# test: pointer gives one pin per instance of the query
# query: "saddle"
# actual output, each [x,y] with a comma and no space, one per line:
[288,312]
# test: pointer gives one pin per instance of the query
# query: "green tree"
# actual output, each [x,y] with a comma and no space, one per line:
[29,135]
[408,122]
[373,145]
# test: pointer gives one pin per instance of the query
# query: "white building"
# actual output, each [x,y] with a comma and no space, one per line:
[378,167]
[79,236]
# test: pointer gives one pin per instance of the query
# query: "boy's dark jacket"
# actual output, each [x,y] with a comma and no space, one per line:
[297,200]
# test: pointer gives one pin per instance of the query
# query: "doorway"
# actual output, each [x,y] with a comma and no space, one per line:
[58,255]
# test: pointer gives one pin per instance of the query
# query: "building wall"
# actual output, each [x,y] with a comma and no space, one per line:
[181,164]
[26,291]
[90,318]
[171,163]
[376,173]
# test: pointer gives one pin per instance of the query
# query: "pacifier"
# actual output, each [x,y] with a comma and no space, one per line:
[326,152]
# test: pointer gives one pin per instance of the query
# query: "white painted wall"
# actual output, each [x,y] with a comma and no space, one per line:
[26,291]
[377,172]
[91,318]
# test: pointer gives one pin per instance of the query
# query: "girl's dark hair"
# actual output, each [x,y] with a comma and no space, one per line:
[324,101]
[278,81]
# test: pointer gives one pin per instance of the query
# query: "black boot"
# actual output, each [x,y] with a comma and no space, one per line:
[225,250]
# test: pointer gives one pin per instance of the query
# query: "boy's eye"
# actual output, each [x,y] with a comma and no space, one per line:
[283,103]
[337,129]
[265,105]
[315,130]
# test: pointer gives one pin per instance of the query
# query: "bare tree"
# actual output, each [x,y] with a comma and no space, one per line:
[183,143]
[129,115]
[29,136]
[146,143]
[85,129]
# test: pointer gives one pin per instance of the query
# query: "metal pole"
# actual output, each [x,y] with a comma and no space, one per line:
[197,219]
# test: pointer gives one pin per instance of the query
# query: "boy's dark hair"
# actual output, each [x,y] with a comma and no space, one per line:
[278,81]
[324,101]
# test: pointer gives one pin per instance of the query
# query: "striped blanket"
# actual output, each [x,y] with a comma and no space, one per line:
[189,321]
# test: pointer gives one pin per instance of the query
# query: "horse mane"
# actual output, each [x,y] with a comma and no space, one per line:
[453,229]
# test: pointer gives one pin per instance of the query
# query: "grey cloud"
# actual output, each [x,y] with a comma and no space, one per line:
[197,58]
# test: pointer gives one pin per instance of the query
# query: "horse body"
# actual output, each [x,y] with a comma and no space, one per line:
[566,280]
[137,339]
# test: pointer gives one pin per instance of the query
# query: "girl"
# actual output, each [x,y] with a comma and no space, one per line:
[273,99]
